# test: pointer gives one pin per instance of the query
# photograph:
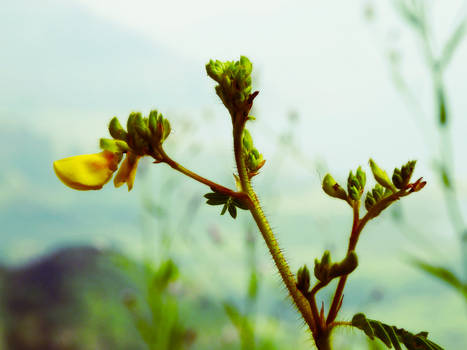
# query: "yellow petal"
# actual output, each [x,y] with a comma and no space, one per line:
[127,172]
[87,171]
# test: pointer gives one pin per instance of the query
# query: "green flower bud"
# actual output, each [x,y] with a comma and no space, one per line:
[303,279]
[407,171]
[378,192]
[369,201]
[361,177]
[247,140]
[116,130]
[332,188]
[152,122]
[344,267]
[142,128]
[352,181]
[167,129]
[246,65]
[322,267]
[114,146]
[137,143]
[397,179]
[354,193]
[380,175]
[131,123]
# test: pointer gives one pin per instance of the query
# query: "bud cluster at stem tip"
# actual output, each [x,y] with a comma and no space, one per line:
[144,135]
[234,84]
[384,186]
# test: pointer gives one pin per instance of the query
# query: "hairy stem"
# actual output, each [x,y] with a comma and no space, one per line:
[323,341]
[265,229]
[214,186]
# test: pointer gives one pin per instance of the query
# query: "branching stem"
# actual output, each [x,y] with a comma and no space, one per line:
[214,186]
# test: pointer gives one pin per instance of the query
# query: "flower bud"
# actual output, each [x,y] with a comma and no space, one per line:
[116,130]
[407,171]
[152,122]
[369,201]
[381,176]
[354,193]
[378,192]
[322,267]
[344,267]
[247,140]
[332,188]
[303,279]
[361,177]
[397,179]
[114,146]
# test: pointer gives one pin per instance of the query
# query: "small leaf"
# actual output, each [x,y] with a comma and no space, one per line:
[216,196]
[232,210]
[391,335]
[215,201]
[224,209]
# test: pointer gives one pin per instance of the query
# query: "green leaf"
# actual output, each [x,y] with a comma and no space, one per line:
[224,209]
[242,324]
[393,336]
[233,210]
[231,204]
[443,274]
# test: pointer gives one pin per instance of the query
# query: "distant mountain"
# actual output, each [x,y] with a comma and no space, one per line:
[70,299]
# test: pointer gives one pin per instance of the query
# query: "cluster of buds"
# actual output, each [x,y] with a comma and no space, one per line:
[375,195]
[356,184]
[234,84]
[325,270]
[144,136]
[401,177]
[384,186]
[253,159]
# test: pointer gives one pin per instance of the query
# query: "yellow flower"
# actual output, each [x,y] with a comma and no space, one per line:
[88,171]
[126,173]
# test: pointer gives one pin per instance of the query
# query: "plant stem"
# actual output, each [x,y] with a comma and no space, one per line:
[336,301]
[214,186]
[323,341]
[265,229]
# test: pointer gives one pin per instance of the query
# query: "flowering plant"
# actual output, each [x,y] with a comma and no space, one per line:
[145,136]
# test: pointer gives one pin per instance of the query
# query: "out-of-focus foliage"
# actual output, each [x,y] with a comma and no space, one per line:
[161,327]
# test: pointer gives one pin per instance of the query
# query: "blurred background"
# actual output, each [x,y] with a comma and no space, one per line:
[156,268]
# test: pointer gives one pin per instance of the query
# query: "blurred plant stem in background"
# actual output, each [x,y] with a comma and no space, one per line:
[416,13]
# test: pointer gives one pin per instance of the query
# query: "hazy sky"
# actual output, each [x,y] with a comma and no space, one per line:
[68,67]
[84,61]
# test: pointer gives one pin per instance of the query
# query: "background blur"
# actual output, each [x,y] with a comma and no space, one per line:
[339,82]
